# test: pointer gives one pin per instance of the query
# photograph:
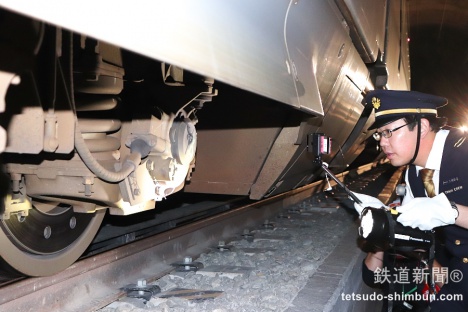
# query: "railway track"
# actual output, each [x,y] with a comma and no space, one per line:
[97,280]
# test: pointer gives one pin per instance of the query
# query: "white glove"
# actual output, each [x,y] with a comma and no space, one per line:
[427,213]
[367,201]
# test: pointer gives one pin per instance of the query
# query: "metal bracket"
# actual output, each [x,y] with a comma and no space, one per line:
[19,206]
[268,225]
[141,290]
[187,265]
[222,247]
[248,236]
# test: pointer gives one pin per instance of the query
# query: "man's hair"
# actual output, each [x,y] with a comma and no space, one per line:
[436,123]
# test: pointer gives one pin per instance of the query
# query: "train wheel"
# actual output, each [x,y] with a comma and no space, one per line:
[48,240]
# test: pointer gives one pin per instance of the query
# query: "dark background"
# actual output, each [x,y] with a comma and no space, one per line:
[439,53]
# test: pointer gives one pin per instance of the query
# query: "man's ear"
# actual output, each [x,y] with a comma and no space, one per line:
[425,127]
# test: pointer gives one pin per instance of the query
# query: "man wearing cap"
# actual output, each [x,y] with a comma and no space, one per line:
[408,130]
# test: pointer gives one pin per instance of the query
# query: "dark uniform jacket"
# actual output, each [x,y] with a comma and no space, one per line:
[453,181]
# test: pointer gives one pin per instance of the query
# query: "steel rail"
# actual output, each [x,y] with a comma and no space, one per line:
[94,282]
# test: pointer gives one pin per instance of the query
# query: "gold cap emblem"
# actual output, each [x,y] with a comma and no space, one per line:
[376,102]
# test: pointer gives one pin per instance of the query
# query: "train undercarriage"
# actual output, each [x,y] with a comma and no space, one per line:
[93,125]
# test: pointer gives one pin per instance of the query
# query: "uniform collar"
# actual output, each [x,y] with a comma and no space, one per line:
[435,155]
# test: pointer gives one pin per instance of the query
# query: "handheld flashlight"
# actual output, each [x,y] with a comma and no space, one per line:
[380,228]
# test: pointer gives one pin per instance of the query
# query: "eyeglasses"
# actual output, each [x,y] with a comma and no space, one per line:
[387,133]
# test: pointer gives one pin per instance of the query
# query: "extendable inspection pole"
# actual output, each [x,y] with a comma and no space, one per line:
[325,167]
[319,144]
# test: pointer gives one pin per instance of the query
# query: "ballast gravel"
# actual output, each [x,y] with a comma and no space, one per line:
[262,273]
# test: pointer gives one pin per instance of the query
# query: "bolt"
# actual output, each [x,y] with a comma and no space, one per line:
[21,217]
[72,222]
[47,232]
[150,165]
[187,260]
[221,245]
[267,224]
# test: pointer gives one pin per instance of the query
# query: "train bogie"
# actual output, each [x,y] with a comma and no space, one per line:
[115,107]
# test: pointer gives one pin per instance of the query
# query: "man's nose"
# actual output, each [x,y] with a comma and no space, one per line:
[383,141]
